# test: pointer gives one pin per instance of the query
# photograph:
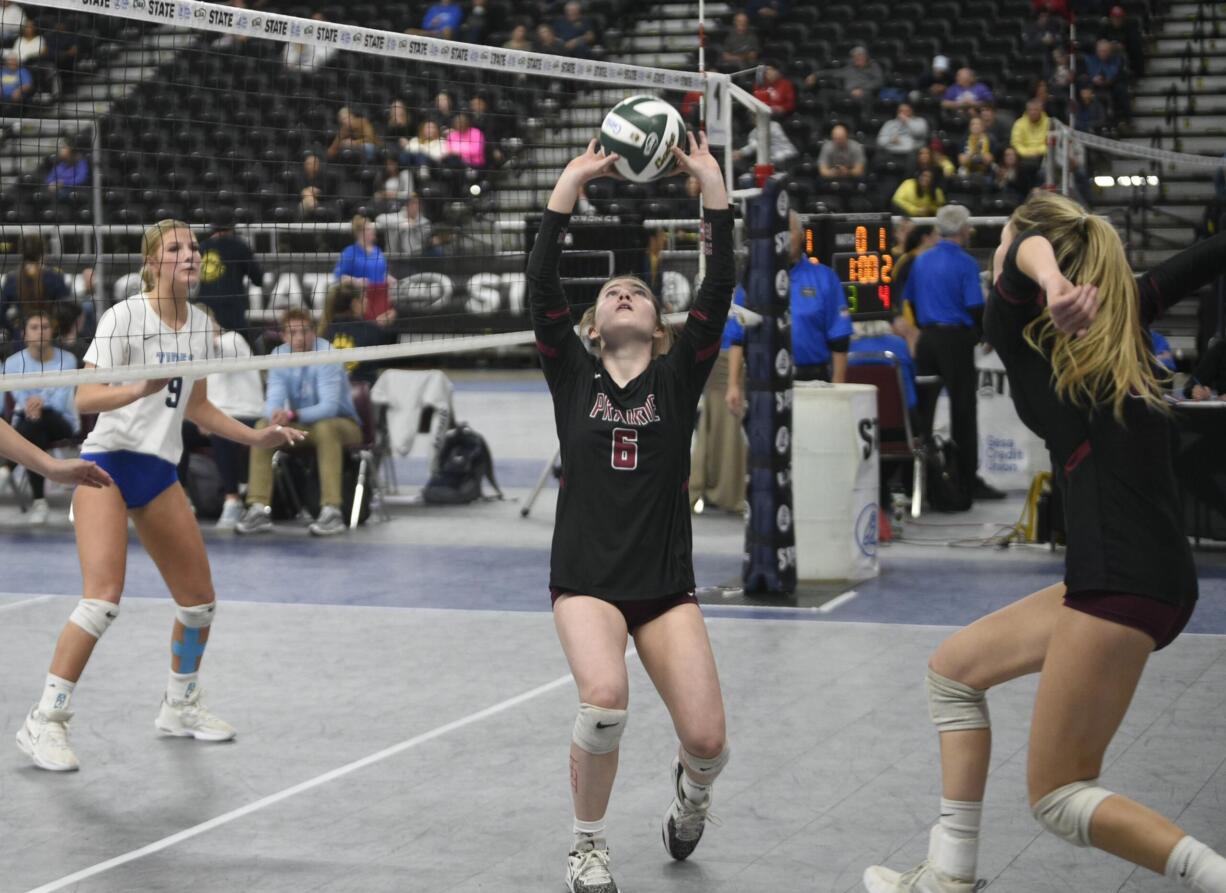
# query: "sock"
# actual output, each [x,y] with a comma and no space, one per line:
[694,792]
[589,835]
[181,686]
[955,840]
[57,694]
[1197,867]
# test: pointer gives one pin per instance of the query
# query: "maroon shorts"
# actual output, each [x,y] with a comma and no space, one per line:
[637,611]
[1161,621]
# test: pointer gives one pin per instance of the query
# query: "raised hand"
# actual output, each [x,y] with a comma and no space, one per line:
[1072,307]
[593,163]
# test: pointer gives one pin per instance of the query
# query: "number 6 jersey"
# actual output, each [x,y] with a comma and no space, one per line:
[131,334]
[622,530]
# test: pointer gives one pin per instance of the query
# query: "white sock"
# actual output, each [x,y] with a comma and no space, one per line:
[1197,867]
[589,835]
[181,686]
[954,842]
[57,694]
[694,792]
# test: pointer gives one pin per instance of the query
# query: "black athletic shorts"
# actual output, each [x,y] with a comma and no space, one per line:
[1161,621]
[637,611]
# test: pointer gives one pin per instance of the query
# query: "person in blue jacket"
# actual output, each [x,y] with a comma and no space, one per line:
[314,399]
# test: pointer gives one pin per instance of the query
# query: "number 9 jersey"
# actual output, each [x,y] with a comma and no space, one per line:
[131,334]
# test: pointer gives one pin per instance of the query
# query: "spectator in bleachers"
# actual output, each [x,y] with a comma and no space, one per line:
[310,206]
[466,142]
[862,76]
[41,415]
[353,132]
[362,264]
[967,92]
[520,39]
[442,19]
[841,158]
[575,30]
[933,157]
[12,17]
[227,268]
[767,13]
[315,399]
[741,45]
[444,105]
[1044,33]
[64,49]
[937,79]
[1056,70]
[16,82]
[307,57]
[69,172]
[407,231]
[493,126]
[902,135]
[314,175]
[1124,32]
[1029,140]
[70,323]
[782,150]
[1104,71]
[999,130]
[344,325]
[475,24]
[976,158]
[776,91]
[30,46]
[919,196]
[396,185]
[547,41]
[1008,179]
[1091,114]
[34,285]
[398,130]
[428,146]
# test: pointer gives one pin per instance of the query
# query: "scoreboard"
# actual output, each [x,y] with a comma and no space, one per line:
[857,248]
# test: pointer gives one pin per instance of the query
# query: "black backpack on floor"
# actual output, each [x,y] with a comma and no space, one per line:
[464,461]
[946,490]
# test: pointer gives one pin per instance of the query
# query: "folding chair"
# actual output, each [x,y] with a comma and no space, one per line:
[898,443]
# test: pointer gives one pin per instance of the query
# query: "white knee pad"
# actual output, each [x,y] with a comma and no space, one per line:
[955,707]
[702,769]
[598,729]
[94,615]
[198,616]
[1066,811]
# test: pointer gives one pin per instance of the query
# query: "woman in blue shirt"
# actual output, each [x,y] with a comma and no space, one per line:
[42,415]
[364,265]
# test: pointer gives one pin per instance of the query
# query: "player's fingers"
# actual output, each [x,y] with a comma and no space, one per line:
[702,140]
[693,143]
[591,146]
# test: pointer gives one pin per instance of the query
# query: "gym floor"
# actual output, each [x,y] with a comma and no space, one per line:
[404,712]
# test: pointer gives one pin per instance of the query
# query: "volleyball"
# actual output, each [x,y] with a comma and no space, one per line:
[642,130]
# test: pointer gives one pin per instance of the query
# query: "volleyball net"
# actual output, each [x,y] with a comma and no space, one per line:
[383,178]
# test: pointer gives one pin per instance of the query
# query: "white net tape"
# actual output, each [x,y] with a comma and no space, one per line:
[1131,150]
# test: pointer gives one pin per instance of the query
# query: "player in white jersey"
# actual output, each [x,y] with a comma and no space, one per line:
[138,441]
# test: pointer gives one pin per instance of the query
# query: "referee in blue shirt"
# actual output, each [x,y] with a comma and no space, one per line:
[943,290]
[821,321]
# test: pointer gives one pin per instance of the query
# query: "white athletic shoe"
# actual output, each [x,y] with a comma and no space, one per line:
[256,519]
[40,512]
[191,719]
[44,739]
[923,878]
[329,523]
[587,871]
[685,820]
[231,512]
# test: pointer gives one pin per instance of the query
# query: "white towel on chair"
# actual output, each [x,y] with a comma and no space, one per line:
[407,394]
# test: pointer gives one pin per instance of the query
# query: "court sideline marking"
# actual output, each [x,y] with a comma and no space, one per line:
[309,784]
[25,601]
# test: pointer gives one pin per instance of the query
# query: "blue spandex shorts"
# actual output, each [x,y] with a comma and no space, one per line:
[141,478]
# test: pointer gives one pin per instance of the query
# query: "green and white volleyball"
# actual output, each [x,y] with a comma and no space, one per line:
[643,130]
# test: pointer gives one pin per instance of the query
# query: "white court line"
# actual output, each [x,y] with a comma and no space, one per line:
[317,781]
[838,600]
[25,601]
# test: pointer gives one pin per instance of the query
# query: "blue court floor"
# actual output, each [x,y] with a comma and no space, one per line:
[404,711]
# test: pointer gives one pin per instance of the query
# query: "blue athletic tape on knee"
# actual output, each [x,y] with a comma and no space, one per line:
[955,707]
[94,615]
[598,729]
[197,616]
[705,770]
[1066,812]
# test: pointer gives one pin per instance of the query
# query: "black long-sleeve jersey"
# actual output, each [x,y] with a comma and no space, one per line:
[622,530]
[1122,506]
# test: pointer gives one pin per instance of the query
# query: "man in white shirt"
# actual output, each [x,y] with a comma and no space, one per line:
[408,231]
[902,135]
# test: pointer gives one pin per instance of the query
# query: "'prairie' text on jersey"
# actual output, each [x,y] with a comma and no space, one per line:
[637,416]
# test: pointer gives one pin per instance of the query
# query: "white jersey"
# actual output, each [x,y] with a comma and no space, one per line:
[237,394]
[131,334]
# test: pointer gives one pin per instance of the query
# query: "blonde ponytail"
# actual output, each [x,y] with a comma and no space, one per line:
[1111,361]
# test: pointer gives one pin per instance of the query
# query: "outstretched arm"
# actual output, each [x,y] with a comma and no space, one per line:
[63,471]
[1177,277]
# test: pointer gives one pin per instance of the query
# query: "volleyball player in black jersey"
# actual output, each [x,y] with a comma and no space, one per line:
[1069,321]
[622,547]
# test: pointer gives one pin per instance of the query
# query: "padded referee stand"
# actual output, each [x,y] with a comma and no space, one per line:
[770,533]
[883,370]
